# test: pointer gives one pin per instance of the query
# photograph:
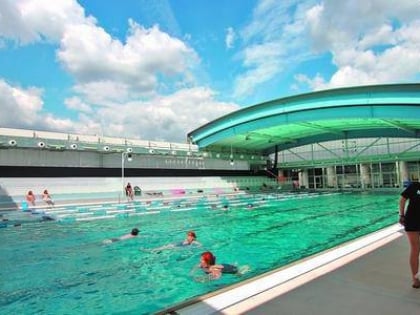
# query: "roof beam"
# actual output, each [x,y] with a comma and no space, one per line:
[271,139]
[398,125]
[327,129]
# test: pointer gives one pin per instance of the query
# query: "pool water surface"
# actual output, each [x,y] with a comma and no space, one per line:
[64,268]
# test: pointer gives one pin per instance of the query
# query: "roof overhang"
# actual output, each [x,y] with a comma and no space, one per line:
[346,113]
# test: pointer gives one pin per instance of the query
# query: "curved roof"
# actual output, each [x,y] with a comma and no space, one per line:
[345,113]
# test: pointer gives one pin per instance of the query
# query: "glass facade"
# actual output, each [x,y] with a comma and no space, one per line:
[353,164]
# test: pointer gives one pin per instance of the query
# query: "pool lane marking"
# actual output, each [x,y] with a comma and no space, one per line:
[267,287]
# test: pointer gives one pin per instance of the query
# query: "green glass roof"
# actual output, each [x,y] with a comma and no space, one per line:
[356,112]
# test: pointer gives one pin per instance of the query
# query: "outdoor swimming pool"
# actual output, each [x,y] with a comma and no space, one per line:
[63,268]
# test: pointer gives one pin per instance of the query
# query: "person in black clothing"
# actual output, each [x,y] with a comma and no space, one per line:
[410,218]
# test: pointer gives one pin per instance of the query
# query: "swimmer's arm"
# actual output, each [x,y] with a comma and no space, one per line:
[109,241]
[207,277]
[126,237]
[215,272]
[169,246]
[202,278]
[194,269]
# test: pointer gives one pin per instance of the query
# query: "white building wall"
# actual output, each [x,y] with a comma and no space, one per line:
[53,158]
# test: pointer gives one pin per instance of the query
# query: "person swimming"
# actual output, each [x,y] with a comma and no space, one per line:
[191,240]
[134,232]
[214,271]
[208,265]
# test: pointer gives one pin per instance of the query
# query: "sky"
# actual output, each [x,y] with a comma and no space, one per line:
[158,69]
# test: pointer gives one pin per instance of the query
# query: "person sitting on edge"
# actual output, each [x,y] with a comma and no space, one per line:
[47,198]
[30,198]
[213,271]
[129,192]
[134,232]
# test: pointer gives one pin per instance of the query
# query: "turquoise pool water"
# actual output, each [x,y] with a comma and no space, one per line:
[63,268]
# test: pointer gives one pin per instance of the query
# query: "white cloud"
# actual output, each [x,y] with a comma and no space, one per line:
[27,21]
[230,37]
[315,83]
[370,42]
[373,43]
[167,118]
[75,103]
[117,83]
[21,105]
[105,93]
[90,54]
[383,35]
[274,39]
[24,108]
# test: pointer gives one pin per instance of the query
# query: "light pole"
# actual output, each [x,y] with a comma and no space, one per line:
[129,157]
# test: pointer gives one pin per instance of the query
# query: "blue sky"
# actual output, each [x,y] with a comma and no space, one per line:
[156,70]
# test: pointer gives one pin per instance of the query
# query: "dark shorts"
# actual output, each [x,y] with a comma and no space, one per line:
[229,268]
[411,224]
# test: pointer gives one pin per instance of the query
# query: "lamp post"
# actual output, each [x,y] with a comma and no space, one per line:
[231,161]
[129,157]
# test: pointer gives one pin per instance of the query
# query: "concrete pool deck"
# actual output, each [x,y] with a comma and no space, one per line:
[367,276]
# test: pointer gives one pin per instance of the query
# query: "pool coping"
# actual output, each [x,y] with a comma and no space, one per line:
[243,296]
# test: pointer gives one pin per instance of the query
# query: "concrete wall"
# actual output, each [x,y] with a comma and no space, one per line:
[68,158]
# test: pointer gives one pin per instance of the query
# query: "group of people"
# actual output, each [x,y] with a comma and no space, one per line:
[207,263]
[31,198]
[409,210]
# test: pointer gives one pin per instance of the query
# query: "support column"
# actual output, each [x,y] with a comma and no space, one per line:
[304,178]
[331,177]
[276,157]
[404,178]
[365,178]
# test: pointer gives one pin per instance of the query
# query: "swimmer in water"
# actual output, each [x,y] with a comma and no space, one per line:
[191,240]
[134,232]
[214,271]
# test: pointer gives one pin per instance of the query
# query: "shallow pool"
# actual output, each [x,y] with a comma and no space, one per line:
[63,268]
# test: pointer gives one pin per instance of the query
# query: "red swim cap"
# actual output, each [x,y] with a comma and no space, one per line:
[209,258]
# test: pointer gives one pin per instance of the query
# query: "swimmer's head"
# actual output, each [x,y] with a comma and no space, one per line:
[192,234]
[135,231]
[45,191]
[207,259]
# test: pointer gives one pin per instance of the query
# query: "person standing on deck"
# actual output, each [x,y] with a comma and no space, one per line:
[410,219]
[129,192]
